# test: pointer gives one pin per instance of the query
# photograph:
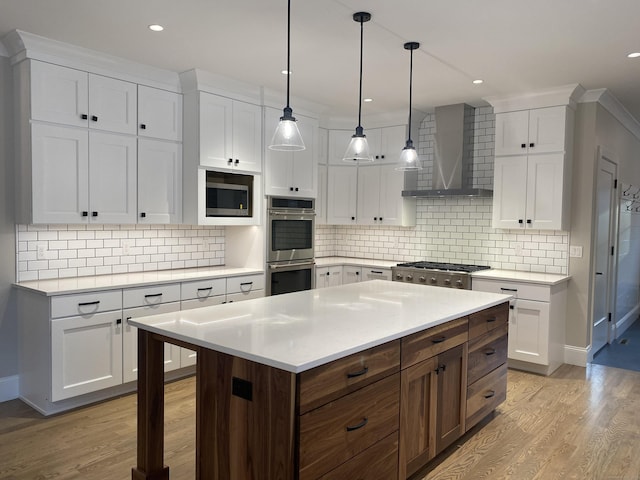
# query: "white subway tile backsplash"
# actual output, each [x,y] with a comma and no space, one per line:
[79,250]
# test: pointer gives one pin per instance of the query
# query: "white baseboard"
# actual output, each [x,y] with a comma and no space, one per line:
[626,321]
[577,355]
[9,388]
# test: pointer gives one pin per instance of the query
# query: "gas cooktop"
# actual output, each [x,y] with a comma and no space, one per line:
[448,267]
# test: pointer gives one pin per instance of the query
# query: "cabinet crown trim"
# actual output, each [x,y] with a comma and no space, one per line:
[563,95]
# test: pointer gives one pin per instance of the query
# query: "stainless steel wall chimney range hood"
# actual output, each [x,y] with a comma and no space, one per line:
[453,155]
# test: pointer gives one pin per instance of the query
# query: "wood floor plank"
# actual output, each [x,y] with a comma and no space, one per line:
[579,423]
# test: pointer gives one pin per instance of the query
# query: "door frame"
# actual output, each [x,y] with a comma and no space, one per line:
[604,153]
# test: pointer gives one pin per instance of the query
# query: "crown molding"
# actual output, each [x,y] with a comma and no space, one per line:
[3,50]
[201,80]
[612,105]
[551,97]
[23,45]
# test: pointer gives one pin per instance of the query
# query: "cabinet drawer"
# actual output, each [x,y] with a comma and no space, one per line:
[485,395]
[140,297]
[85,303]
[488,319]
[202,302]
[431,342]
[336,432]
[333,380]
[201,289]
[487,353]
[245,283]
[379,462]
[529,291]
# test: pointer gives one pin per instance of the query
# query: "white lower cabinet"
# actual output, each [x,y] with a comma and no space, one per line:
[328,276]
[351,274]
[369,273]
[86,354]
[536,322]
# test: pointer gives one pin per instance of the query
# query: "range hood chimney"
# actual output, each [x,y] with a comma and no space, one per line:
[453,155]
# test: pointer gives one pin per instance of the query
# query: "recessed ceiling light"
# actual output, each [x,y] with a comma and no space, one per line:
[156,28]
[284,72]
[478,81]
[634,55]
[367,100]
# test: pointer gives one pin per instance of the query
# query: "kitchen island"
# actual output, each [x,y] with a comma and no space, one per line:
[369,377]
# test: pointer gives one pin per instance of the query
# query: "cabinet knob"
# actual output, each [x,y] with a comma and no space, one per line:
[353,218]
[119,321]
[230,161]
[377,157]
[520,221]
[357,273]
[381,156]
[143,215]
[529,221]
[237,161]
[380,218]
[531,145]
[85,214]
[297,189]
[84,116]
[143,126]
[291,189]
[375,218]
[523,145]
[94,214]
[94,118]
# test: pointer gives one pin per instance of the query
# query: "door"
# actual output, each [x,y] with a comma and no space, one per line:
[545,183]
[247,137]
[529,331]
[215,131]
[605,234]
[509,192]
[369,195]
[159,114]
[112,105]
[342,193]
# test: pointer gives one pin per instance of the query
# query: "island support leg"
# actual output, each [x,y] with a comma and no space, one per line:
[150,463]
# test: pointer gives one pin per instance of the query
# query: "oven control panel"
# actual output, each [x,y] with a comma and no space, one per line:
[432,278]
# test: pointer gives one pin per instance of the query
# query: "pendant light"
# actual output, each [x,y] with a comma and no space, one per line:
[358,149]
[287,136]
[409,160]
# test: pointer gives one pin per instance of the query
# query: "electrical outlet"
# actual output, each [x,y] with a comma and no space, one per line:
[575,251]
[126,246]
[518,249]
[42,252]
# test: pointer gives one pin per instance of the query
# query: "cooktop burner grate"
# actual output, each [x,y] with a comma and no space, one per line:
[449,267]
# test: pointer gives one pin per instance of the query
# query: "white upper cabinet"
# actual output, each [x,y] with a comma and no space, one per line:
[159,114]
[159,182]
[342,196]
[293,174]
[230,133]
[541,130]
[72,97]
[380,200]
[385,144]
[532,169]
[338,143]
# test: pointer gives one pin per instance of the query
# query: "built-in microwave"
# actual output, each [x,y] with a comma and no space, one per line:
[227,196]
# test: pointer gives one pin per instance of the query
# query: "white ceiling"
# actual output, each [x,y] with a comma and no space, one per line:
[515,46]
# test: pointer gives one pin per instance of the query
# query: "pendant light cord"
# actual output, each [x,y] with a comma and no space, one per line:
[360,98]
[288,48]
[410,91]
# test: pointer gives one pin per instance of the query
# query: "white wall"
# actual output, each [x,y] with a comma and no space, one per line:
[8,318]
[454,229]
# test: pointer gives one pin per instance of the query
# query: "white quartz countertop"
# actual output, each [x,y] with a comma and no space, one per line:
[360,262]
[124,280]
[525,277]
[302,330]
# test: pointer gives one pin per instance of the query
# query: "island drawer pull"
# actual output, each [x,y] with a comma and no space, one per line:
[86,304]
[358,426]
[489,394]
[359,373]
[439,339]
[491,319]
[489,351]
[152,295]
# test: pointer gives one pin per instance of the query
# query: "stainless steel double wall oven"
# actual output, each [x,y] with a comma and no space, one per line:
[290,245]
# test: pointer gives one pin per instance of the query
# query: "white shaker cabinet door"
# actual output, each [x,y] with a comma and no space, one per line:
[369,195]
[342,194]
[510,192]
[112,105]
[159,182]
[247,137]
[86,354]
[512,133]
[305,163]
[59,94]
[112,178]
[547,129]
[392,205]
[216,131]
[529,332]
[60,174]
[545,185]
[159,114]
[130,340]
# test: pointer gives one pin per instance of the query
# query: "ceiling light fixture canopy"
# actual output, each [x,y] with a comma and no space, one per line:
[409,159]
[358,149]
[287,136]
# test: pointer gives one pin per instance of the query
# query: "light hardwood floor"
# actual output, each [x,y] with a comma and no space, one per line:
[577,424]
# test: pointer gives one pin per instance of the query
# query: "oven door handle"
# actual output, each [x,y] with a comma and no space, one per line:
[291,265]
[293,214]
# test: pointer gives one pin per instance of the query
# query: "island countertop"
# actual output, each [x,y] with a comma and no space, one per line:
[302,330]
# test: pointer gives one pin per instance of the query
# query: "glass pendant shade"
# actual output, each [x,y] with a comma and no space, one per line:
[287,136]
[409,159]
[358,149]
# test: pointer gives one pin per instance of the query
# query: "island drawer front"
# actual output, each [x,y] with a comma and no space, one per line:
[487,353]
[333,380]
[488,319]
[336,432]
[154,295]
[433,341]
[485,395]
[200,289]
[85,303]
[245,283]
[379,462]
[527,291]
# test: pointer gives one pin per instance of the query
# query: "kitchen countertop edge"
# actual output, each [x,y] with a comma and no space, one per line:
[550,279]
